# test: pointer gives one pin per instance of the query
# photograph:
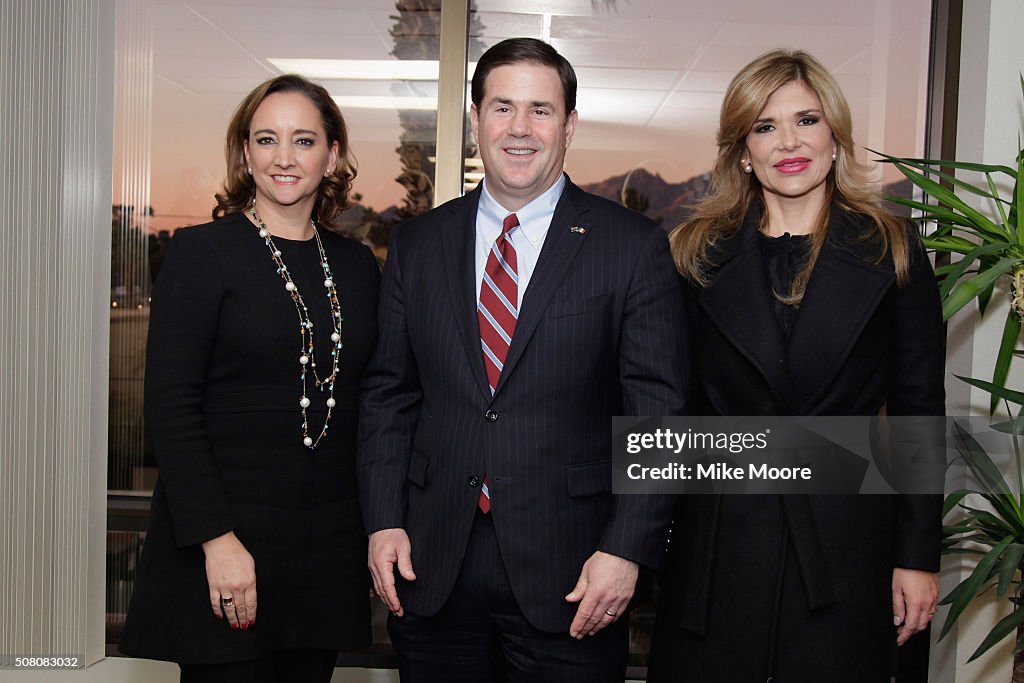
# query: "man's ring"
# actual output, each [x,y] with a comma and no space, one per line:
[609,613]
[227,602]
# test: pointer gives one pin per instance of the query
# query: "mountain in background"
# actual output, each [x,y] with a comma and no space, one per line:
[667,203]
[652,195]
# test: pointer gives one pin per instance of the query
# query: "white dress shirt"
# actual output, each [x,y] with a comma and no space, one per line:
[528,238]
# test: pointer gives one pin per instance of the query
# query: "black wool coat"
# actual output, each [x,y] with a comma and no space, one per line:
[799,587]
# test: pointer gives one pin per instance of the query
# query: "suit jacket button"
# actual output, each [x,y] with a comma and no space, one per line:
[474,482]
[491,416]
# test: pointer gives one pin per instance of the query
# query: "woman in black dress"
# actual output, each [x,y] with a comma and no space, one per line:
[806,298]
[254,566]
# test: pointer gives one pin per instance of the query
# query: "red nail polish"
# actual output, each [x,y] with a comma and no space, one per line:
[252,622]
[234,627]
[219,616]
[245,626]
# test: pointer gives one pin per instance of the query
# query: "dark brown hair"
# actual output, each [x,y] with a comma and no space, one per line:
[517,51]
[239,188]
[732,191]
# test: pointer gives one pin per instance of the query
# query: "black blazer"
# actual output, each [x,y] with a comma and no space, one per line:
[860,345]
[600,333]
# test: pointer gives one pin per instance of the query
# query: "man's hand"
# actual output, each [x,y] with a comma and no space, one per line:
[603,591]
[388,548]
[231,577]
[914,593]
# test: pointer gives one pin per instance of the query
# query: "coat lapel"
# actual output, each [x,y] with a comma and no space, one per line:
[560,248]
[844,290]
[739,303]
[458,238]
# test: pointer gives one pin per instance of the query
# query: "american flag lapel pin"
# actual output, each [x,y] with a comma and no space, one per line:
[578,230]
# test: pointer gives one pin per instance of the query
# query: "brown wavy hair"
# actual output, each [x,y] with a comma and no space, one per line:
[239,188]
[721,212]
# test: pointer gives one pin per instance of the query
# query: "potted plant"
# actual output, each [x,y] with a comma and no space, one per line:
[989,251]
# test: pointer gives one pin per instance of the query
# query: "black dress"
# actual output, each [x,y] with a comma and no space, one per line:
[797,588]
[222,410]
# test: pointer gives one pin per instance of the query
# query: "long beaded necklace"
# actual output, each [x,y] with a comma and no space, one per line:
[307,361]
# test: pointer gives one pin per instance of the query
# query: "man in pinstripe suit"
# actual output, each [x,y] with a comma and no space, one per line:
[514,323]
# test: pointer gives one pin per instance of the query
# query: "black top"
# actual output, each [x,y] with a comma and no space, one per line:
[222,409]
[783,257]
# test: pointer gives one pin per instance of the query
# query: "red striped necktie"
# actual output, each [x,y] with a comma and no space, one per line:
[497,312]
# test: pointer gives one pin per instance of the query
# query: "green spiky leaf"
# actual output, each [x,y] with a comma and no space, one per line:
[1003,628]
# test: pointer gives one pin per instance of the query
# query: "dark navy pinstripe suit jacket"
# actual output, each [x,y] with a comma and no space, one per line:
[600,333]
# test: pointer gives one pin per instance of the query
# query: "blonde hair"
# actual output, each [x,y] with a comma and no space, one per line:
[731,192]
[239,188]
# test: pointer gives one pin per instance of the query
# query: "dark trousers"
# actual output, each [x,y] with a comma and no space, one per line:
[481,636]
[283,666]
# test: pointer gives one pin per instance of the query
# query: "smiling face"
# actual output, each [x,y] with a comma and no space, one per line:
[288,153]
[790,146]
[523,131]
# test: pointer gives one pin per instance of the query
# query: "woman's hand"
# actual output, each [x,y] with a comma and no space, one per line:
[914,595]
[231,575]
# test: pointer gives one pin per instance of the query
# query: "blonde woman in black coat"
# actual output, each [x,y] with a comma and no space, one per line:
[806,298]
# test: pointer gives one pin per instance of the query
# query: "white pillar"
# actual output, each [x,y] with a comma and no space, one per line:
[57,74]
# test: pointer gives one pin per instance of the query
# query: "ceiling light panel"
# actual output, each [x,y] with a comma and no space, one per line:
[630,30]
[381,88]
[360,69]
[503,25]
[386,102]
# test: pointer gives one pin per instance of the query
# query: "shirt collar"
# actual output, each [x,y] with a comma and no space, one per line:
[534,218]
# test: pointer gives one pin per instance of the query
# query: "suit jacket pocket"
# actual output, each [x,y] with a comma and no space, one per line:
[418,464]
[589,479]
[562,308]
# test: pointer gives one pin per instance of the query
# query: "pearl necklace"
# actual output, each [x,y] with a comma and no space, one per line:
[307,361]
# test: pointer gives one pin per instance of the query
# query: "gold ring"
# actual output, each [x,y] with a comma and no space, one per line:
[609,613]
[227,602]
